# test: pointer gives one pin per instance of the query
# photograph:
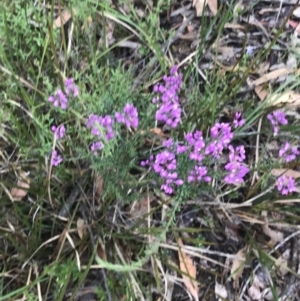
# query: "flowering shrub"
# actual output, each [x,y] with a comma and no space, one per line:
[188,162]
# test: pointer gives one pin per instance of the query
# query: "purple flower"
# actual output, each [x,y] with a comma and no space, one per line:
[148,162]
[59,99]
[238,120]
[198,174]
[197,144]
[276,118]
[222,134]
[169,111]
[237,170]
[286,185]
[129,116]
[55,158]
[250,49]
[180,149]
[289,152]
[168,143]
[101,126]
[237,154]
[59,132]
[237,173]
[165,165]
[96,146]
[164,162]
[71,89]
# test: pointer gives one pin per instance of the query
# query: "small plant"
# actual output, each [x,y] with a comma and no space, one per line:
[187,162]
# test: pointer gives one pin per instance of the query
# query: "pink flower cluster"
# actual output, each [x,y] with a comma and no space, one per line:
[287,153]
[286,185]
[59,133]
[165,163]
[60,99]
[276,118]
[236,168]
[129,117]
[102,127]
[169,111]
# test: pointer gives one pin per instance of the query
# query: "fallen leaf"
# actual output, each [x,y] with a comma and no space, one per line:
[62,19]
[213,5]
[190,28]
[262,68]
[220,291]
[290,99]
[277,172]
[254,291]
[282,262]
[188,268]
[23,182]
[81,228]
[227,52]
[275,236]
[101,249]
[238,266]
[98,185]
[158,132]
[234,26]
[272,75]
[199,6]
[261,93]
[140,208]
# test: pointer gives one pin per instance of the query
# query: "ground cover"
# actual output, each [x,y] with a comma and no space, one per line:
[149,150]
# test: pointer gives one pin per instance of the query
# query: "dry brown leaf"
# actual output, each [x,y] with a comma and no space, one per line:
[140,208]
[199,6]
[227,52]
[81,228]
[190,28]
[234,26]
[262,68]
[254,291]
[213,5]
[98,185]
[23,182]
[261,93]
[275,236]
[272,75]
[62,19]
[282,262]
[158,132]
[238,266]
[188,268]
[277,172]
[290,99]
